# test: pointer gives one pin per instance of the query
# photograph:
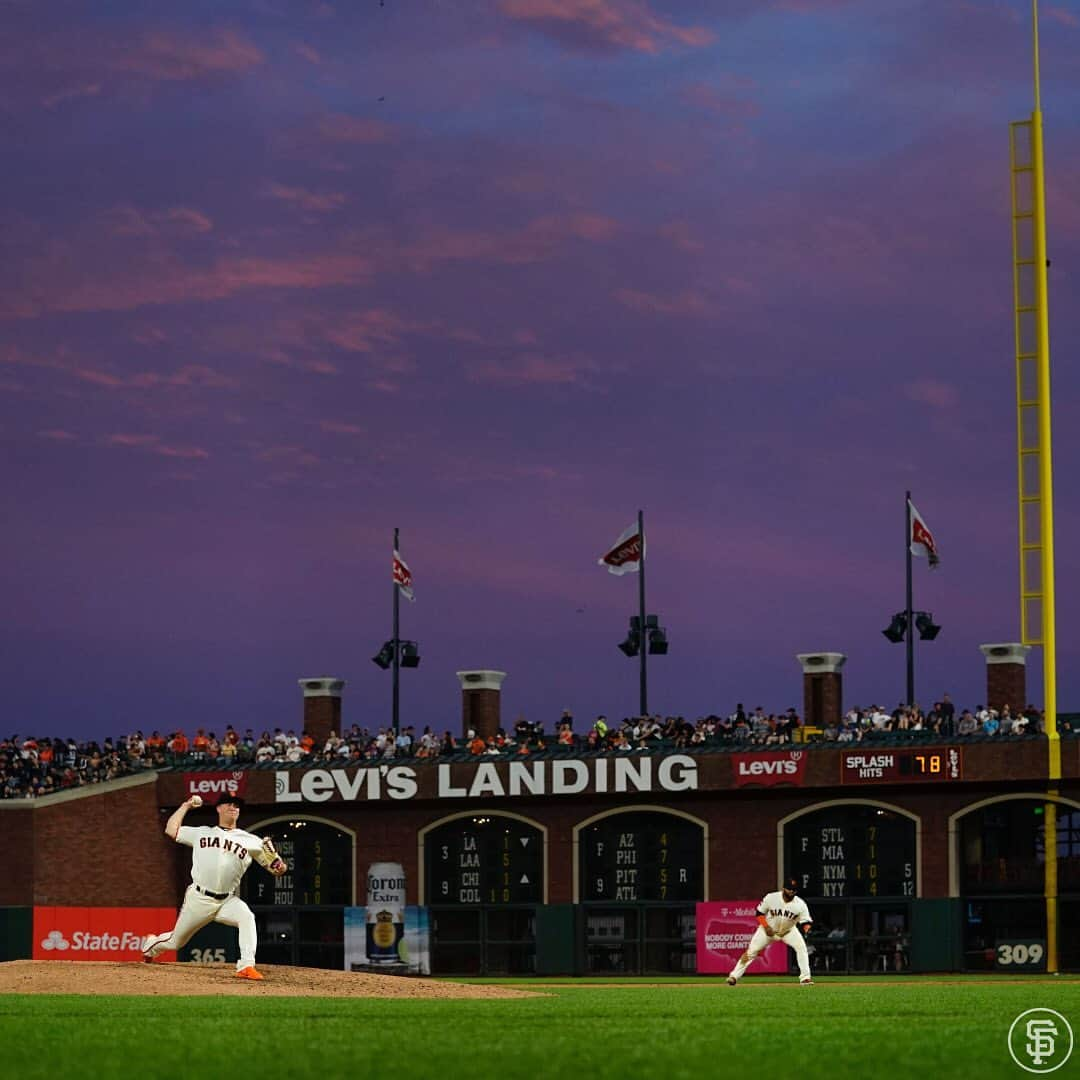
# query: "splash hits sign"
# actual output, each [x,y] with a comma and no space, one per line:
[724,928]
[86,933]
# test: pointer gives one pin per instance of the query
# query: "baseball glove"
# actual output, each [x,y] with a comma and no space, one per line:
[268,857]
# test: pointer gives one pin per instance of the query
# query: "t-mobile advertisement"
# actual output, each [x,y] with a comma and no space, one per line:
[86,933]
[723,933]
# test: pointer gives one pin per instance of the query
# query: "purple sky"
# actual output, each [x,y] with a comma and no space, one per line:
[280,276]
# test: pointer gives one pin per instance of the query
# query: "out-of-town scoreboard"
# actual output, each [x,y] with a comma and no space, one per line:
[642,857]
[847,852]
[485,860]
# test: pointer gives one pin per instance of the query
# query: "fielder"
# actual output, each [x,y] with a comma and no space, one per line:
[221,855]
[779,916]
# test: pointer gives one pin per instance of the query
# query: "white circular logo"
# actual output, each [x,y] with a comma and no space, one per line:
[1040,1040]
[55,940]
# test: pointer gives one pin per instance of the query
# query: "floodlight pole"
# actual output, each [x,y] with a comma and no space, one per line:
[643,696]
[395,708]
[910,632]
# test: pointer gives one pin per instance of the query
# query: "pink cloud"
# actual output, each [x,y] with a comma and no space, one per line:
[162,281]
[1060,15]
[729,104]
[72,93]
[123,439]
[315,201]
[604,25]
[337,427]
[57,435]
[937,395]
[539,240]
[308,53]
[189,453]
[167,56]
[580,226]
[686,303]
[533,368]
[341,128]
[128,220]
[368,330]
[682,236]
[288,456]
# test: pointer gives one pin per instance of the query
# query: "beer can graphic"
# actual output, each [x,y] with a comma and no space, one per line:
[385,913]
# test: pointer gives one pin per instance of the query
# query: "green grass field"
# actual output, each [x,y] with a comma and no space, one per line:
[912,1028]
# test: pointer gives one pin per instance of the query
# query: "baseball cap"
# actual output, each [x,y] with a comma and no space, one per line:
[236,801]
[790,885]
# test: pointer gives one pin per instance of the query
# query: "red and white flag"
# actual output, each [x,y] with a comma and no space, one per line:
[403,577]
[625,556]
[922,539]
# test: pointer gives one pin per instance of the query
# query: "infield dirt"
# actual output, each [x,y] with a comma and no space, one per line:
[70,977]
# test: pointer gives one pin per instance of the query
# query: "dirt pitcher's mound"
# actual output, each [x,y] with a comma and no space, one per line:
[73,977]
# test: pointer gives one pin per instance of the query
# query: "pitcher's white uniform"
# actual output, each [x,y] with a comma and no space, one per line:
[220,859]
[784,917]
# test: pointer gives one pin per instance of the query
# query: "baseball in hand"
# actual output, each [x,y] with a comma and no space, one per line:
[196,801]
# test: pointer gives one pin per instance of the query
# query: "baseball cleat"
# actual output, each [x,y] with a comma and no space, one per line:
[806,982]
[732,982]
[248,973]
[146,944]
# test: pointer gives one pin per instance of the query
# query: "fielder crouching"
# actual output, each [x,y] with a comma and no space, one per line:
[221,855]
[779,915]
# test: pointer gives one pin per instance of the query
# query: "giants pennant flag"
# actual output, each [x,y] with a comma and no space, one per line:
[403,577]
[922,539]
[625,556]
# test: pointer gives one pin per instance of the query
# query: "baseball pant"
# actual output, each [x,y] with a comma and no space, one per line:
[760,941]
[197,911]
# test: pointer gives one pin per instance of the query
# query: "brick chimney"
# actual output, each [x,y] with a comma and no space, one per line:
[480,692]
[322,707]
[1006,675]
[822,687]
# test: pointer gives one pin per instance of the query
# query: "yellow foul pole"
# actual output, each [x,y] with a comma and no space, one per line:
[1034,449]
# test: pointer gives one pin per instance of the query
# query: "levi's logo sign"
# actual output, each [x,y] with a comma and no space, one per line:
[787,767]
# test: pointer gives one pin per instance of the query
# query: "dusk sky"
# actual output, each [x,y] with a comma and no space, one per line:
[281,275]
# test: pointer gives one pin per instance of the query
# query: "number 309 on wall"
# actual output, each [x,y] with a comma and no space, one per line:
[1020,955]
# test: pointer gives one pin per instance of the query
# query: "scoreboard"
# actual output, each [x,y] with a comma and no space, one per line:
[642,856]
[485,860]
[899,766]
[852,851]
[320,867]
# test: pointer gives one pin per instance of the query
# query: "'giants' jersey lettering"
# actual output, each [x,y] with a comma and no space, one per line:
[225,845]
[781,914]
[220,857]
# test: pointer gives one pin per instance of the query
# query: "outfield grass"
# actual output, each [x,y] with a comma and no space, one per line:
[918,1029]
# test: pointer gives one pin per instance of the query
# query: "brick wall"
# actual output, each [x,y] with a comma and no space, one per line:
[107,847]
[17,844]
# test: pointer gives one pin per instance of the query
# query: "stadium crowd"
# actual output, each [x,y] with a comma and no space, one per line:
[32,767]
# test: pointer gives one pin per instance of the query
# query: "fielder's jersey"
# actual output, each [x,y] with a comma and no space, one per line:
[781,914]
[221,856]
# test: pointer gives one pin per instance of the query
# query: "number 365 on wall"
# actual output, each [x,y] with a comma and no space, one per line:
[1011,955]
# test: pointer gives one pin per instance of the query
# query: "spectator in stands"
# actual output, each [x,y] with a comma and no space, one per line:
[968,725]
[948,714]
[1005,721]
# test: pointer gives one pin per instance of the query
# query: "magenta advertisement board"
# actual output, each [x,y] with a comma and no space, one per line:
[723,932]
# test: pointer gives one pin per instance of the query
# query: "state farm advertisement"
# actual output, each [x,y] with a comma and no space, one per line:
[212,785]
[97,933]
[724,928]
[767,770]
